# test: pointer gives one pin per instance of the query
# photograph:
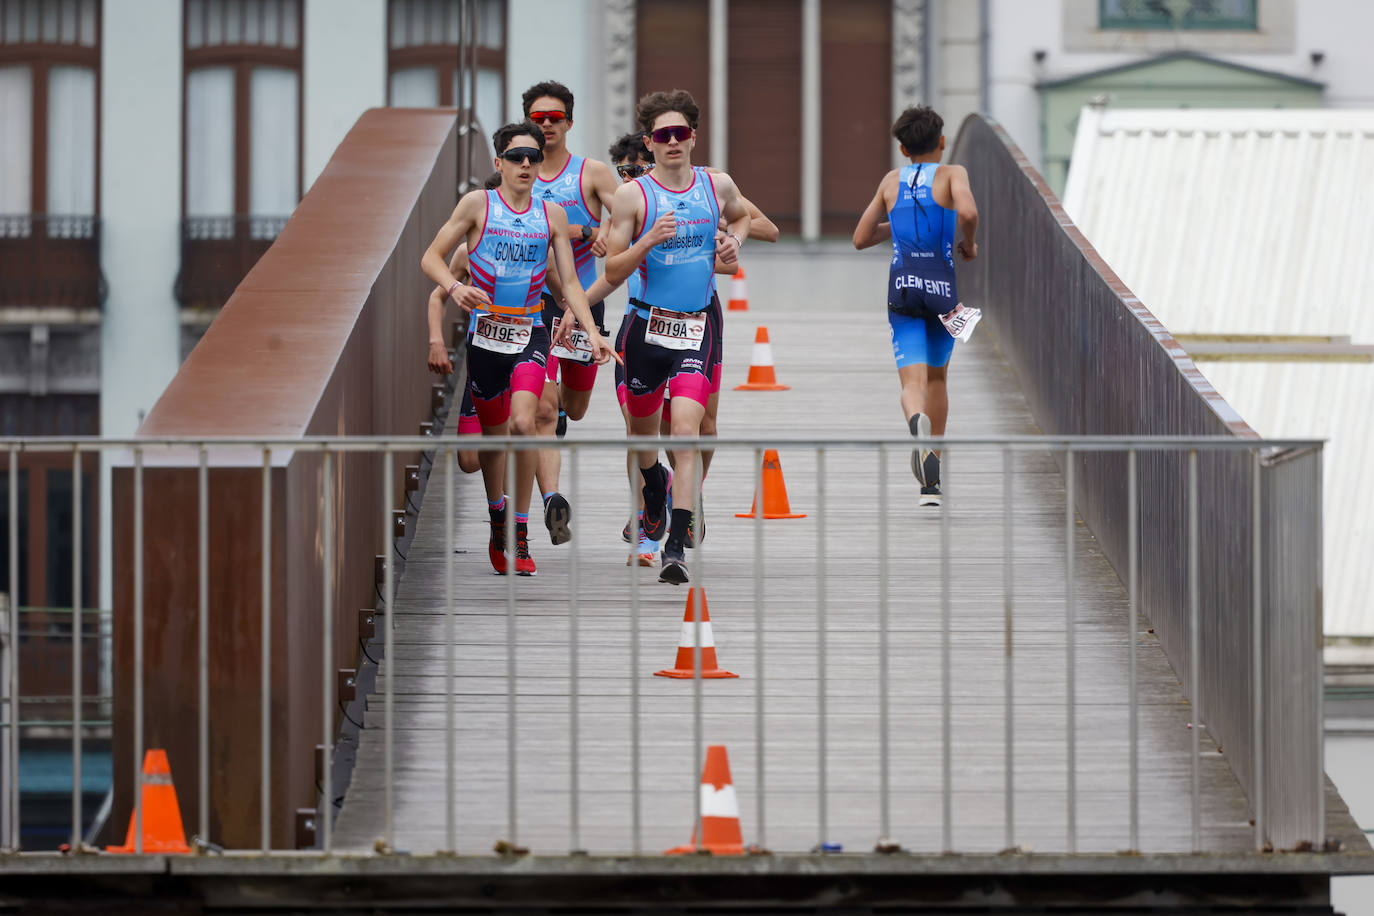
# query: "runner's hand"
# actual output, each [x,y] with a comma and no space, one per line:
[727,249]
[602,352]
[562,337]
[598,246]
[968,250]
[438,358]
[469,298]
[664,228]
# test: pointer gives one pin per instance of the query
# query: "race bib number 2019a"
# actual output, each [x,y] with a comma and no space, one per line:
[503,333]
[675,330]
[961,322]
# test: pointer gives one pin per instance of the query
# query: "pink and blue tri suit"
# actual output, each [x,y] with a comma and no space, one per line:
[508,343]
[565,190]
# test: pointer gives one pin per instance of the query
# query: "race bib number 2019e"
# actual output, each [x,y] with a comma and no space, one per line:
[503,333]
[961,322]
[675,330]
[581,349]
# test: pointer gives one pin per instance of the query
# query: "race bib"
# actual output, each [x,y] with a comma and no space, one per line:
[581,350]
[675,330]
[961,322]
[503,333]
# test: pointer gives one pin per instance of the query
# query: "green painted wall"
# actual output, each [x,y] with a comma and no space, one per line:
[1189,83]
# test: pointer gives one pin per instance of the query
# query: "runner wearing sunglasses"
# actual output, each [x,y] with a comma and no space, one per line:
[671,339]
[583,188]
[926,205]
[509,236]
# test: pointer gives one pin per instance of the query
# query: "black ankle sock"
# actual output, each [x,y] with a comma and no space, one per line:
[912,423]
[655,479]
[677,529]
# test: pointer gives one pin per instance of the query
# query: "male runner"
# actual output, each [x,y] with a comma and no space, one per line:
[925,203]
[670,339]
[582,187]
[508,237]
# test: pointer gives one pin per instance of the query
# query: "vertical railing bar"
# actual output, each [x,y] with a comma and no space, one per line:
[1194,653]
[821,637]
[574,624]
[265,662]
[203,638]
[1133,564]
[698,825]
[13,734]
[1257,648]
[884,813]
[138,652]
[1069,634]
[946,756]
[450,685]
[1008,693]
[633,566]
[325,815]
[76,649]
[389,647]
[511,781]
[759,773]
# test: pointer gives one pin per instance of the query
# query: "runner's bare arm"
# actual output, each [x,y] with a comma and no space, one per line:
[603,185]
[761,227]
[621,256]
[732,209]
[664,228]
[438,350]
[574,293]
[872,228]
[966,211]
[554,280]
[460,223]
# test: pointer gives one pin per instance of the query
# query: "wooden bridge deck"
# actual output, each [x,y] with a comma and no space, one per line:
[843,383]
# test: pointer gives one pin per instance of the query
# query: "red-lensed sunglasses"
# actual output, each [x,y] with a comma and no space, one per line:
[678,132]
[553,117]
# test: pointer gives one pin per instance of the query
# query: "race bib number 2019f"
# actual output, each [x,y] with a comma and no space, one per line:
[961,322]
[503,333]
[675,330]
[580,350]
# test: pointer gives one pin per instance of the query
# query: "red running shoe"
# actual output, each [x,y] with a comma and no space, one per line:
[524,563]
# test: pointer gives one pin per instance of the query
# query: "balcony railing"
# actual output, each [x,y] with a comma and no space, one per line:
[50,261]
[216,254]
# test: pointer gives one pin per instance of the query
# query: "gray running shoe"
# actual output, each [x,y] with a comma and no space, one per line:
[920,456]
[674,566]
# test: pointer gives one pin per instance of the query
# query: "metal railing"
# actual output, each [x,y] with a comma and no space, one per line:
[1282,560]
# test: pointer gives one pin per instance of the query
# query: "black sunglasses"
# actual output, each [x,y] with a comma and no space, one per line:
[519,154]
[629,170]
[678,132]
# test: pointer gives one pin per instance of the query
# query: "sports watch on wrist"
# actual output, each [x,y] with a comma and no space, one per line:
[586,233]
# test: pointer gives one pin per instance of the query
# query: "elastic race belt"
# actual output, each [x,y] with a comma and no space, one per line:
[642,310]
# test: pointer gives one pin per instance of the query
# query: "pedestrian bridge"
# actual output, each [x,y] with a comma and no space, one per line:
[1101,657]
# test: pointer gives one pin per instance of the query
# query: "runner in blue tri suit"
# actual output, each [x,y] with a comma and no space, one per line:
[926,206]
[509,236]
[583,188]
[670,341]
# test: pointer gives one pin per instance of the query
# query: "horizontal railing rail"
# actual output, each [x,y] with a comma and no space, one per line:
[1284,473]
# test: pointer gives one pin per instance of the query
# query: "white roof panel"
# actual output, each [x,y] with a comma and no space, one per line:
[1256,222]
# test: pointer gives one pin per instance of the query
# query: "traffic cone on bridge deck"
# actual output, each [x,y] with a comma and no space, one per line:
[720,829]
[683,666]
[162,828]
[761,375]
[775,504]
[739,292]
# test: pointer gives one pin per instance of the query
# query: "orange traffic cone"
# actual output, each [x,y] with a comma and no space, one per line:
[162,829]
[720,830]
[739,293]
[775,503]
[761,376]
[686,640]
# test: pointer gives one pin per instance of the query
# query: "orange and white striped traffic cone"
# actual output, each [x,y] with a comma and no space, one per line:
[720,828]
[162,829]
[761,375]
[775,504]
[739,292]
[687,640]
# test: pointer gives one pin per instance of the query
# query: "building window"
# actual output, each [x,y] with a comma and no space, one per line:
[1210,15]
[422,56]
[49,153]
[242,175]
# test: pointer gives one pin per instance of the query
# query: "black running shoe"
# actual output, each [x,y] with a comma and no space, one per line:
[674,569]
[921,456]
[655,522]
[625,535]
[557,514]
[931,495]
[562,428]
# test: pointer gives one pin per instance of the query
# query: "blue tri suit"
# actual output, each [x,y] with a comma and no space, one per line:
[920,285]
